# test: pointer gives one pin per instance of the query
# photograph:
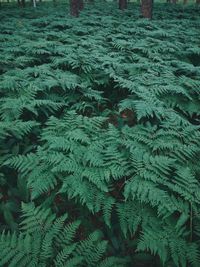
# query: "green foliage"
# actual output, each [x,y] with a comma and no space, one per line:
[99,119]
[44,240]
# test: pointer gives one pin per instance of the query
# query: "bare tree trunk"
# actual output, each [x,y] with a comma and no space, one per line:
[147,8]
[81,4]
[122,4]
[23,4]
[174,1]
[198,2]
[74,8]
[185,2]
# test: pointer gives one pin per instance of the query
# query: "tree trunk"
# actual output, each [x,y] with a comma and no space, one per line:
[198,2]
[122,4]
[147,8]
[174,1]
[23,4]
[81,4]
[184,2]
[74,8]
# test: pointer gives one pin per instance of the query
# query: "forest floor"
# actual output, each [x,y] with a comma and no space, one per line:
[107,95]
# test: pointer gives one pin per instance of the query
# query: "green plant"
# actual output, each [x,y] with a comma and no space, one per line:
[44,240]
[102,119]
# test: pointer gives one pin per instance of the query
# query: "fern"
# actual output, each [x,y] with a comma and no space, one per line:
[99,117]
[42,241]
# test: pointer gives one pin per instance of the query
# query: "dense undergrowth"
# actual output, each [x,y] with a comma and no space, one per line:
[100,119]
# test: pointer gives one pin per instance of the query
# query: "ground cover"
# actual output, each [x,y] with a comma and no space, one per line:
[100,119]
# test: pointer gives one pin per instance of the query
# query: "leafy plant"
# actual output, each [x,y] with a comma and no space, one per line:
[100,119]
[45,240]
